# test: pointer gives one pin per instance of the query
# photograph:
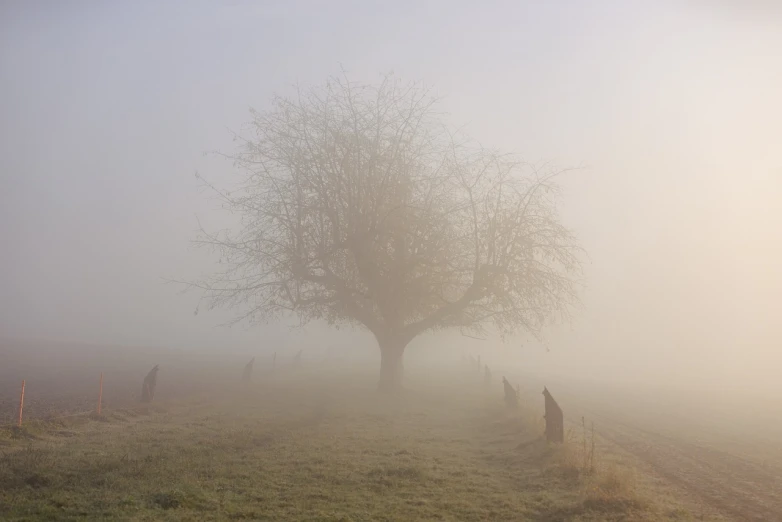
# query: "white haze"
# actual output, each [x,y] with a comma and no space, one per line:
[673,109]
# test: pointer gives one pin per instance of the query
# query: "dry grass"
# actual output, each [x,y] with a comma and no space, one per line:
[309,448]
[614,489]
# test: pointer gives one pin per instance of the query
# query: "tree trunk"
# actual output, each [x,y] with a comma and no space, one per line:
[391,353]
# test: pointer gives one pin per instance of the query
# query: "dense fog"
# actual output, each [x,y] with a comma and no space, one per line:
[671,111]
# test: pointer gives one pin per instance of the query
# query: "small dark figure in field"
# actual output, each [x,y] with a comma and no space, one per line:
[486,375]
[274,361]
[248,371]
[148,388]
[511,399]
[555,423]
[297,360]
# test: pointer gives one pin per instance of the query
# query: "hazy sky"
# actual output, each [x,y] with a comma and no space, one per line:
[674,107]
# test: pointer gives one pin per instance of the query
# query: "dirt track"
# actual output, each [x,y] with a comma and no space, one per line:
[737,487]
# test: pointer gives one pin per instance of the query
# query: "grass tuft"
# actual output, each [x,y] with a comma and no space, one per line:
[614,490]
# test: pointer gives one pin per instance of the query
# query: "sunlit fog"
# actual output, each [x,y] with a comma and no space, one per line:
[299,260]
[671,112]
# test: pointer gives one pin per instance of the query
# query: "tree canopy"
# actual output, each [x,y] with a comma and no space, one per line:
[360,206]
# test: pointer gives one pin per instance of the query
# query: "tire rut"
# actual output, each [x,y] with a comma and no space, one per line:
[734,486]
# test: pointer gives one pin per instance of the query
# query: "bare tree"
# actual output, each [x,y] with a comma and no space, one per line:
[358,206]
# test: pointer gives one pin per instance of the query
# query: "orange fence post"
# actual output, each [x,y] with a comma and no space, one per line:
[21,405]
[100,392]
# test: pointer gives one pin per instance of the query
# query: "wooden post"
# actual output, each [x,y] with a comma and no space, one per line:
[21,405]
[555,425]
[148,388]
[584,432]
[100,393]
[247,375]
[511,399]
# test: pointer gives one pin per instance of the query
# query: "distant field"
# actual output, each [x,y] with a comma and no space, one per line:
[63,378]
[317,443]
[307,446]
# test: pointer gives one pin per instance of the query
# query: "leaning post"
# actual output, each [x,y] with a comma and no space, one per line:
[100,393]
[555,423]
[21,405]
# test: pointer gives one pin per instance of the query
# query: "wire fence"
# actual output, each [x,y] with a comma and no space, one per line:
[19,414]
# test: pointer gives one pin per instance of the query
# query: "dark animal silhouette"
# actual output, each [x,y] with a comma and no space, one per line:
[247,375]
[148,387]
[511,399]
[555,423]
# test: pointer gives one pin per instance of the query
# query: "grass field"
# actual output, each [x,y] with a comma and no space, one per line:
[308,446]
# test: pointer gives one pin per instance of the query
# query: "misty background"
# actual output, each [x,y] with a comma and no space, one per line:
[673,109]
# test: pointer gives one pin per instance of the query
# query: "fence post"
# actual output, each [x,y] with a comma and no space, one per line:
[584,433]
[555,431]
[21,405]
[100,393]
